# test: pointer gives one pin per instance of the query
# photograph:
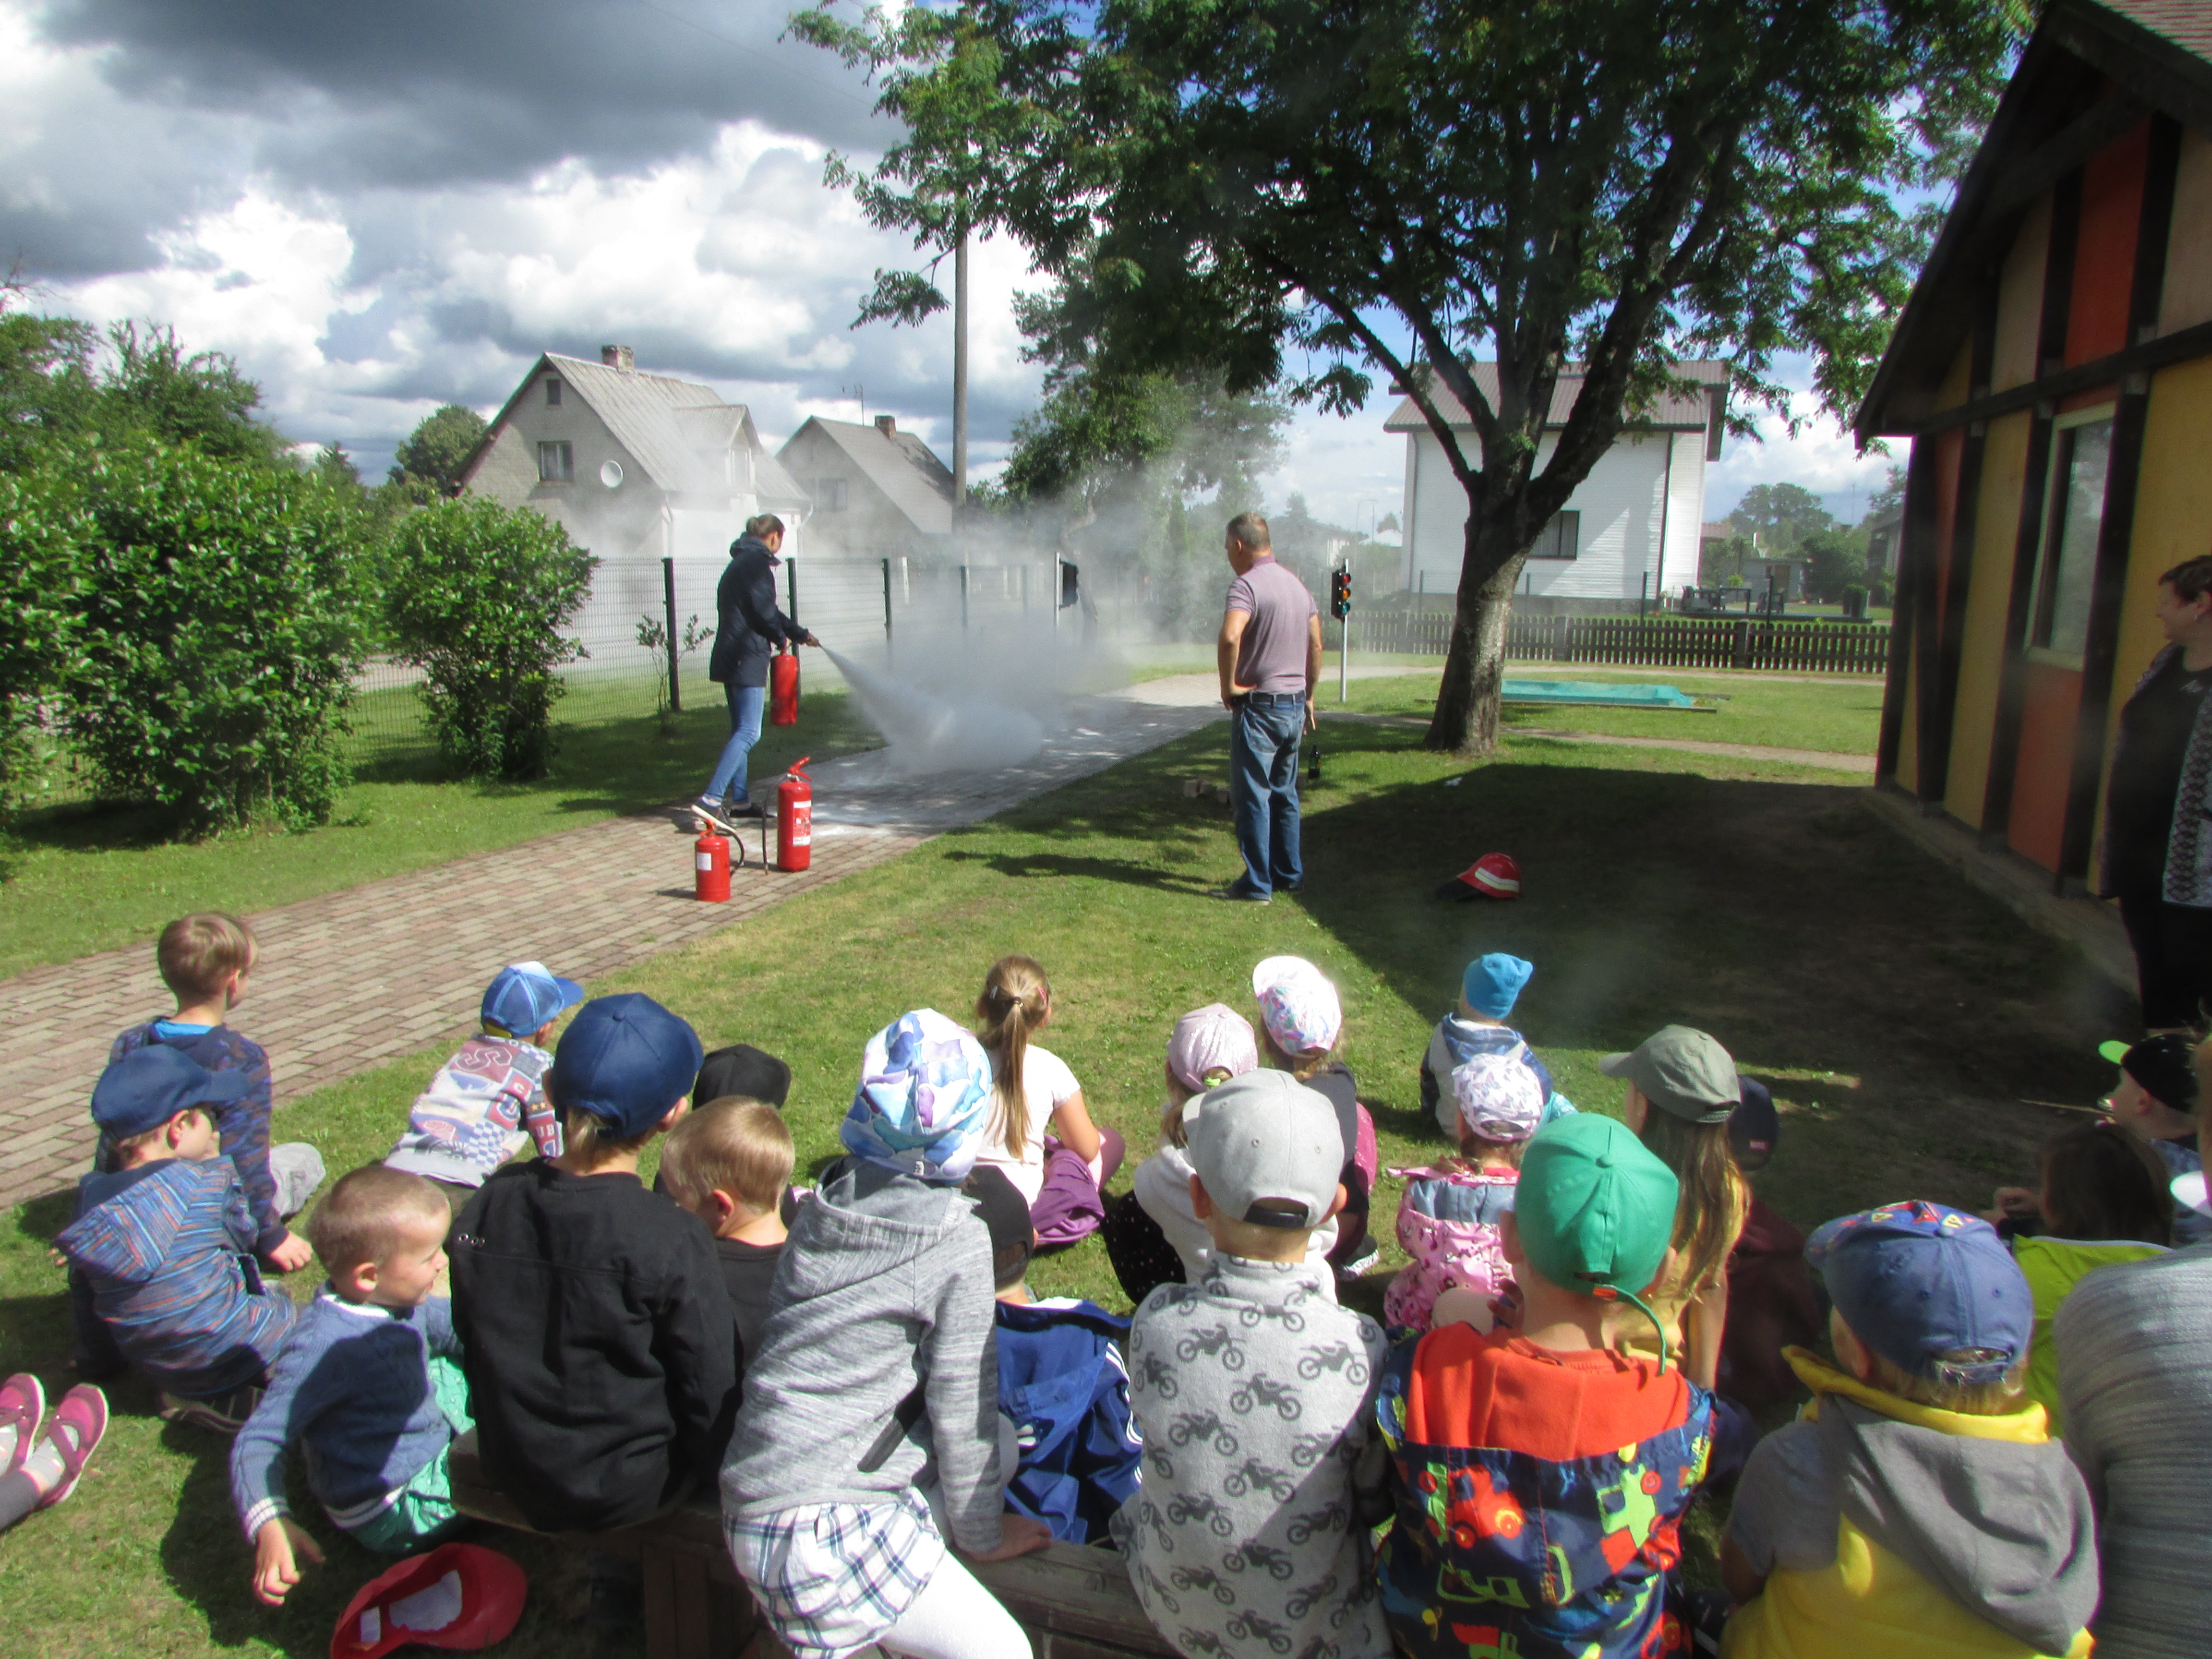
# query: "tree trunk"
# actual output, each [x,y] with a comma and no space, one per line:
[1466,721]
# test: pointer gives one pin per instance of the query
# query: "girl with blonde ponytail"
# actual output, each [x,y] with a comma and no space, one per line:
[1060,1173]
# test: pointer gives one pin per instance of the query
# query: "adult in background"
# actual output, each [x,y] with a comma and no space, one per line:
[2158,837]
[747,629]
[1269,654]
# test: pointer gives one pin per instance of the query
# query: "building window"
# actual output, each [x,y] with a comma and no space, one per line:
[2073,519]
[553,391]
[830,494]
[1560,540]
[556,464]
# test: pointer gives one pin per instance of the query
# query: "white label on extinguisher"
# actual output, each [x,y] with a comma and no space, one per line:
[706,861]
[802,823]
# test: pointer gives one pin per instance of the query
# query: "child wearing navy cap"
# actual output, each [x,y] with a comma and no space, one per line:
[598,1339]
[164,1240]
[471,1117]
[1857,1529]
[1487,990]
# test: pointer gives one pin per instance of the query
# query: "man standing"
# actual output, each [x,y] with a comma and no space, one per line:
[1269,654]
[747,629]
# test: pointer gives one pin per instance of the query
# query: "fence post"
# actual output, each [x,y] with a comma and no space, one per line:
[963,599]
[1561,646]
[1739,647]
[790,587]
[887,613]
[668,599]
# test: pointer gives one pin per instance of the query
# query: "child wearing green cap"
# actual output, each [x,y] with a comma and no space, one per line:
[1539,1475]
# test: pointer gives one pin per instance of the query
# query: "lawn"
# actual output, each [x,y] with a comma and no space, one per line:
[79,881]
[1908,1024]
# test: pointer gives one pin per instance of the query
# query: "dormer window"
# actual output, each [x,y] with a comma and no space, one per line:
[553,391]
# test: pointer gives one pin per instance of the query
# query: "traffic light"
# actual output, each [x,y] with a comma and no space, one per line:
[1339,592]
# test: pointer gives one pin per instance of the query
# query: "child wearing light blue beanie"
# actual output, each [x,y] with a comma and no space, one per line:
[1488,990]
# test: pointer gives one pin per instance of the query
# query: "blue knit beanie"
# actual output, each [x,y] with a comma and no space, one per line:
[1492,984]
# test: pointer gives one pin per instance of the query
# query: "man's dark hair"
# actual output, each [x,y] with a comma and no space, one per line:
[2190,580]
[1251,532]
[762,525]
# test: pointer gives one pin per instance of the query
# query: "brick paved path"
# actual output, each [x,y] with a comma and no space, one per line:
[348,979]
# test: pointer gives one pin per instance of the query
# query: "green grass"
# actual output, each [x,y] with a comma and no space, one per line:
[1904,1021]
[1838,716]
[80,881]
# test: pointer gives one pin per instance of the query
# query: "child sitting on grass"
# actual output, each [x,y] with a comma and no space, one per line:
[1060,1175]
[1448,1218]
[368,1383]
[164,1242]
[471,1118]
[1918,1505]
[886,1280]
[1301,1018]
[2156,1103]
[1067,1449]
[597,1337]
[1771,1301]
[1487,990]
[729,1162]
[1261,1472]
[1541,1473]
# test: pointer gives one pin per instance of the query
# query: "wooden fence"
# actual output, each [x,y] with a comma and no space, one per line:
[1649,642]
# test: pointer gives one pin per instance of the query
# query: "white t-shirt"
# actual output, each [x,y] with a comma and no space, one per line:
[1046,1085]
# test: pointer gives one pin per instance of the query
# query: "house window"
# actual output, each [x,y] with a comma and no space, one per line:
[1560,540]
[552,391]
[556,464]
[2073,519]
[830,494]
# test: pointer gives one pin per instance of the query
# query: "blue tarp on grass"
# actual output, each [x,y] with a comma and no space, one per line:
[1592,693]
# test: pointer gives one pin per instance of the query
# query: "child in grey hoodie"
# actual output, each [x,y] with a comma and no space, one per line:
[845,1473]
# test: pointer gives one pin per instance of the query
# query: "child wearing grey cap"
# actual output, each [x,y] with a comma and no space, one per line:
[1262,1472]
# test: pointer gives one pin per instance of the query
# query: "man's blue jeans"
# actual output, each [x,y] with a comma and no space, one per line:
[1263,783]
[746,702]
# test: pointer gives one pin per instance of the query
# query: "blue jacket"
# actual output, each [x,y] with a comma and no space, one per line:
[352,1384]
[167,1259]
[243,1124]
[1456,1041]
[1062,1383]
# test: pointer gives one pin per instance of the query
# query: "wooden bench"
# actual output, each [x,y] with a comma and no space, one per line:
[1074,1602]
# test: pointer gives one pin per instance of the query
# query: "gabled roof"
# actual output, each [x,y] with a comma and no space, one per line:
[677,430]
[898,464]
[2091,70]
[1699,411]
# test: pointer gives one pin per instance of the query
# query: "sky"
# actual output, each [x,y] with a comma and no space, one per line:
[380,209]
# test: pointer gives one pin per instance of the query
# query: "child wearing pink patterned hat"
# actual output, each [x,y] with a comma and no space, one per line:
[1301,1018]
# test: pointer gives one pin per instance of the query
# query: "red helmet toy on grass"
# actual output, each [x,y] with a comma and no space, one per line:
[459,1596]
[1493,876]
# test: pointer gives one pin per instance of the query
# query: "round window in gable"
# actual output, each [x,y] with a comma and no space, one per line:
[611,474]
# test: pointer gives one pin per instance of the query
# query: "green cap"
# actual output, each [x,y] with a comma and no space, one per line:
[1594,1207]
[1682,1072]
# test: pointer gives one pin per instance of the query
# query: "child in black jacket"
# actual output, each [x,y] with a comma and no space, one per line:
[599,1342]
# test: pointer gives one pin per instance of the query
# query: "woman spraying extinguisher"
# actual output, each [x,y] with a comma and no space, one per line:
[749,630]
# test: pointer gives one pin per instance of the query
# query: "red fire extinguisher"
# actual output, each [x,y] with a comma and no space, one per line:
[794,819]
[783,688]
[710,880]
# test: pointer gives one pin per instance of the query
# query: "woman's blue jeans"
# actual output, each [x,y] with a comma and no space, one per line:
[746,702]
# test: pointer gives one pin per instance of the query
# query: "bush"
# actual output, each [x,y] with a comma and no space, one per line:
[44,530]
[220,631]
[479,596]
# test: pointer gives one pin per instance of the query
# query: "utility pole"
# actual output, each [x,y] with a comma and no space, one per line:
[960,369]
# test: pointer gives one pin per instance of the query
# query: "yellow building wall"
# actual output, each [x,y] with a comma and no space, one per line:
[2173,520]
[2020,300]
[2188,294]
[1908,730]
[1989,597]
[1957,382]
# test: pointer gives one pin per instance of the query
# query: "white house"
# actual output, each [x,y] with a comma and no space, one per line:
[1630,530]
[877,491]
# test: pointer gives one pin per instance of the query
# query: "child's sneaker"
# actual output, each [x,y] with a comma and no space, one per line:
[224,1414]
[76,1429]
[22,1403]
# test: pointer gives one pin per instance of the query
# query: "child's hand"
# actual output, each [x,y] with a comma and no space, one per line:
[1020,1534]
[2019,1202]
[289,1253]
[275,1568]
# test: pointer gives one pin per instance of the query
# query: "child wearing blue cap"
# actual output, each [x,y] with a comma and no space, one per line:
[598,1339]
[164,1240]
[472,1117]
[869,1431]
[1919,1503]
[1487,990]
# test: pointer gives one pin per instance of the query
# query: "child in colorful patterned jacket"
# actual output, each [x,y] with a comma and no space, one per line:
[1488,990]
[1541,1474]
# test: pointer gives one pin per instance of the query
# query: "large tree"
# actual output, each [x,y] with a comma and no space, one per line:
[1316,191]
[1780,514]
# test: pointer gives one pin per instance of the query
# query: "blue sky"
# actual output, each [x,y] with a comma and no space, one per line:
[380,209]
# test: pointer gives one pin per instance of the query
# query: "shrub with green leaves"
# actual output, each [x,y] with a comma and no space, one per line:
[220,625]
[44,528]
[479,597]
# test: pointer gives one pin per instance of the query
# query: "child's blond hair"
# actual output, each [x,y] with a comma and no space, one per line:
[199,954]
[1015,997]
[361,1219]
[734,1145]
[128,1144]
[2001,1398]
